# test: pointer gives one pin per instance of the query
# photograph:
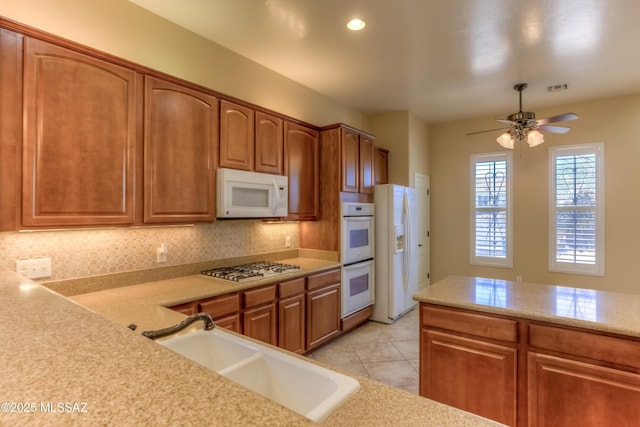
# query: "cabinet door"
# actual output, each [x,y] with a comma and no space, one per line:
[366,165]
[260,323]
[350,162]
[231,323]
[323,315]
[269,143]
[301,154]
[82,122]
[469,374]
[564,392]
[10,128]
[236,136]
[291,323]
[180,140]
[380,166]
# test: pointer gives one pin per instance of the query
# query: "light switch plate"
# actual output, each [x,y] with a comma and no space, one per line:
[34,268]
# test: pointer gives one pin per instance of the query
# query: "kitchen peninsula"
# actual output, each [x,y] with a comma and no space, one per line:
[531,354]
[55,350]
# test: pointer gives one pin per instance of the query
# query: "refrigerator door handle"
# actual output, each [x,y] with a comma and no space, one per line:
[405,256]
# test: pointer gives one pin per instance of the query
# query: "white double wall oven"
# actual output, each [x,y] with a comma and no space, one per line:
[357,256]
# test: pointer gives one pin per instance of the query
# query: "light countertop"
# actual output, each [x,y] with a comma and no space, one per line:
[54,351]
[602,311]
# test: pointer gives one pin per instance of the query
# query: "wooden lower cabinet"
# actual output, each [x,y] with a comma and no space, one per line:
[564,392]
[188,308]
[323,308]
[225,311]
[292,315]
[291,321]
[528,373]
[259,319]
[470,374]
[260,323]
[297,315]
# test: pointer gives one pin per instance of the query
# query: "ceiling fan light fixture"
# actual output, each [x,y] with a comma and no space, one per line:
[535,138]
[506,140]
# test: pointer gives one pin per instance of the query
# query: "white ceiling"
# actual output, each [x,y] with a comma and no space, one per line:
[440,59]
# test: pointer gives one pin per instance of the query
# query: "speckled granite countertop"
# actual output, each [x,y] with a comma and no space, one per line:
[69,366]
[609,312]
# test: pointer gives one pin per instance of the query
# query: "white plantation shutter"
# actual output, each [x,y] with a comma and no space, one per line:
[490,228]
[577,209]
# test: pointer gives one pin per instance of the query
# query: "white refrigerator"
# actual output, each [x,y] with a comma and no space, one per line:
[396,251]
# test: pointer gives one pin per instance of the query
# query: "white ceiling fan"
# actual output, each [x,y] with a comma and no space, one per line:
[523,126]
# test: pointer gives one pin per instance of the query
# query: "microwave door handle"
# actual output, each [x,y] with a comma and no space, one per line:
[277,193]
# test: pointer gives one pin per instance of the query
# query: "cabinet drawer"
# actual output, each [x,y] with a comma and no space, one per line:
[322,279]
[221,306]
[256,297]
[291,287]
[585,344]
[187,308]
[470,323]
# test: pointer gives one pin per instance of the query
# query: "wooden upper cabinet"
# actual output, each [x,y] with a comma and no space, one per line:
[380,166]
[366,165]
[236,136]
[10,128]
[269,143]
[180,139]
[301,157]
[350,161]
[82,121]
[356,161]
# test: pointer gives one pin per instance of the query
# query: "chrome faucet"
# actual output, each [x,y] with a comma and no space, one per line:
[209,324]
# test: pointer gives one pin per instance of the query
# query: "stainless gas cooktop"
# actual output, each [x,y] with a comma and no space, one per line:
[251,271]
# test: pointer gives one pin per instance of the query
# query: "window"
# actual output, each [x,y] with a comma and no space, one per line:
[491,210]
[576,235]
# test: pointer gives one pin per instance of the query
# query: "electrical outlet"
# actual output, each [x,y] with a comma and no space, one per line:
[287,242]
[34,268]
[161,253]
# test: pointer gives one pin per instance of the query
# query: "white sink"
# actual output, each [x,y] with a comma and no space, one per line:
[304,387]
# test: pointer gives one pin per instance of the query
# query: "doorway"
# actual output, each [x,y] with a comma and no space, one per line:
[422,186]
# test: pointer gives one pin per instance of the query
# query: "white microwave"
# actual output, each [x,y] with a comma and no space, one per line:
[244,194]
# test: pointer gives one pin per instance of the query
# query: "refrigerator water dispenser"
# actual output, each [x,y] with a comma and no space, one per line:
[400,238]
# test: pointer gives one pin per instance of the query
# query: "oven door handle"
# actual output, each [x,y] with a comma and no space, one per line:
[358,264]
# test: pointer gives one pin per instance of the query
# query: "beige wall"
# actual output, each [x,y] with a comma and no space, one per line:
[392,132]
[128,31]
[614,121]
[407,139]
[418,147]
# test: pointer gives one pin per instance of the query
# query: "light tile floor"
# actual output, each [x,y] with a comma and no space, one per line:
[386,353]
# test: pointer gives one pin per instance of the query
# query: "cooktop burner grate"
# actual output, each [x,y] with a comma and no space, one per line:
[251,271]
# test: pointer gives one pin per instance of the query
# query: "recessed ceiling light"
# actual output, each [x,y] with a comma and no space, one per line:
[356,24]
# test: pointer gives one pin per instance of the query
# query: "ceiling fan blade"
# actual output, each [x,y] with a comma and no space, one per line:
[554,129]
[559,118]
[488,130]
[506,122]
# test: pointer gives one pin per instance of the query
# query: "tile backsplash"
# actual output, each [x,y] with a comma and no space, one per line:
[83,253]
